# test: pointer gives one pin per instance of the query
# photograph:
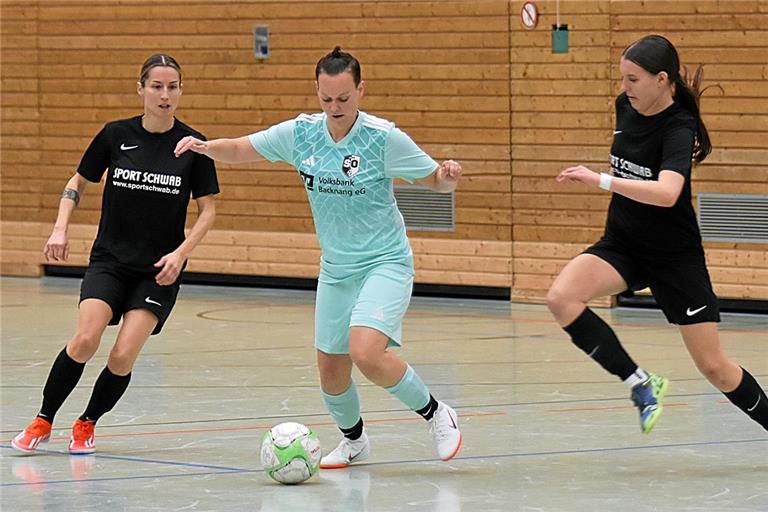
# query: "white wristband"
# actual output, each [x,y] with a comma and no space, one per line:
[605,181]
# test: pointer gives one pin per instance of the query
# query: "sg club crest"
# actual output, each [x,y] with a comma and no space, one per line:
[350,165]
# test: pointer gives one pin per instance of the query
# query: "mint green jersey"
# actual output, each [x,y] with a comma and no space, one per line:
[349,185]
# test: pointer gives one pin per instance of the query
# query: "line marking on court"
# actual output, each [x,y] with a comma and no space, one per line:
[570,452]
[31,457]
[227,471]
[611,407]
[266,427]
[415,313]
[285,417]
[122,478]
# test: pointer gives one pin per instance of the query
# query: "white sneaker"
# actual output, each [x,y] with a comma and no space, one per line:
[444,426]
[347,452]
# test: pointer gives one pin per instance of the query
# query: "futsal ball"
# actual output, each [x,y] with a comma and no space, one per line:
[290,453]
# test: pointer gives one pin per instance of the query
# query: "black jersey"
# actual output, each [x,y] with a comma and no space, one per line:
[643,146]
[147,190]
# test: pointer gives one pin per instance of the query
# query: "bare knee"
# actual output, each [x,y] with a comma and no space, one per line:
[335,372]
[555,299]
[331,372]
[367,360]
[83,345]
[563,304]
[719,371]
[121,360]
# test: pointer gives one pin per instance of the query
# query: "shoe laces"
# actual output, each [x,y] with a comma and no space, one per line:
[347,447]
[39,427]
[83,429]
[642,394]
[438,426]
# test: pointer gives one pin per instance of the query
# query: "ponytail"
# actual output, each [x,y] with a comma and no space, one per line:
[688,95]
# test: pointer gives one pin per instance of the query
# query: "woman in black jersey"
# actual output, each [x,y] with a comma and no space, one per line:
[139,251]
[651,236]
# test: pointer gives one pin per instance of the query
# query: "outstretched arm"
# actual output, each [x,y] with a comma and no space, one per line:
[57,246]
[224,150]
[444,179]
[663,192]
[171,264]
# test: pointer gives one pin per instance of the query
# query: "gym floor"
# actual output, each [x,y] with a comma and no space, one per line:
[544,428]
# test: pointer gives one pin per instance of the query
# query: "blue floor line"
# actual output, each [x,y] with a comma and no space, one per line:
[122,458]
[120,478]
[223,470]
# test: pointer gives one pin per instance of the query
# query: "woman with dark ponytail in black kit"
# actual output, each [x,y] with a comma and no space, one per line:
[651,237]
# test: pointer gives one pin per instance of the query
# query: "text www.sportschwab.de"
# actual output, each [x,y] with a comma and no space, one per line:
[148,188]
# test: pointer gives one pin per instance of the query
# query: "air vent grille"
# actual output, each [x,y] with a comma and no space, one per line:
[734,217]
[424,209]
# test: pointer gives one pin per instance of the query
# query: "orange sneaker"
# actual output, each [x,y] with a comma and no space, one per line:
[39,431]
[81,441]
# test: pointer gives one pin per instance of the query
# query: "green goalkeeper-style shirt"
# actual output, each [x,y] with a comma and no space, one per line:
[350,186]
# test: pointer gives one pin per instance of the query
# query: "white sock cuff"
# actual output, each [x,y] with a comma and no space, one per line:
[636,378]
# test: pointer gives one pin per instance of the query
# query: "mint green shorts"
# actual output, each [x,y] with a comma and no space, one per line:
[377,299]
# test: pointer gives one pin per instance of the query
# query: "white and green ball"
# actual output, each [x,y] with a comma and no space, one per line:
[290,453]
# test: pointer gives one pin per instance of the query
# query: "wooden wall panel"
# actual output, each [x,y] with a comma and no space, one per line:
[491,94]
[265,253]
[565,102]
[19,114]
[727,39]
[432,86]
[448,93]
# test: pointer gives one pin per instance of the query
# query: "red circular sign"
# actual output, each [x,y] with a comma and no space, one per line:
[529,15]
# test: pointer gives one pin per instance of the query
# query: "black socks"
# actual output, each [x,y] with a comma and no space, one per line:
[64,376]
[750,398]
[62,379]
[429,410]
[109,388]
[596,338]
[353,432]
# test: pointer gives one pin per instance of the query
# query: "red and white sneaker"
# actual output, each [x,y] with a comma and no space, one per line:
[39,431]
[81,441]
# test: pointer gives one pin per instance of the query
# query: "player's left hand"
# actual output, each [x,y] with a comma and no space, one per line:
[449,170]
[170,267]
[580,174]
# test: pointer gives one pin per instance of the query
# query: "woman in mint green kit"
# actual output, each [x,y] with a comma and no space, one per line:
[347,161]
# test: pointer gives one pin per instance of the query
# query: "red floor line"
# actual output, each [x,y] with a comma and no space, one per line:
[611,408]
[265,427]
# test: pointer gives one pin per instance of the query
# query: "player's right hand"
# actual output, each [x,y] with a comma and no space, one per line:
[57,246]
[190,143]
[580,174]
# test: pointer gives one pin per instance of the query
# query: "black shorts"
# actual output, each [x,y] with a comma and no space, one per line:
[679,282]
[125,289]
